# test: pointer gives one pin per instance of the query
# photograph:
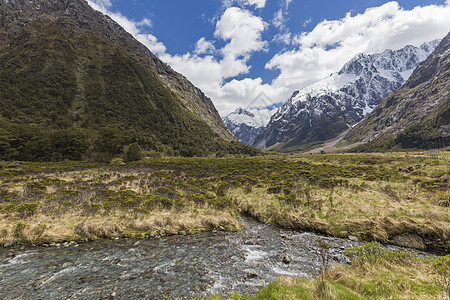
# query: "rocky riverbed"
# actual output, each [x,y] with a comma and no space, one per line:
[168,267]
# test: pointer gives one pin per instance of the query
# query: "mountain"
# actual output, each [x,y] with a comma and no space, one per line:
[246,125]
[417,115]
[74,84]
[325,109]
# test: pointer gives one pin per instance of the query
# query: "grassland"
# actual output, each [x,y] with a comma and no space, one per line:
[374,197]
[370,197]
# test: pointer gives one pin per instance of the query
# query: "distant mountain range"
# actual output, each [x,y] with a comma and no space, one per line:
[247,124]
[74,84]
[325,109]
[417,115]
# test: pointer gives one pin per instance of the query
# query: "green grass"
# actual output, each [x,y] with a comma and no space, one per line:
[373,274]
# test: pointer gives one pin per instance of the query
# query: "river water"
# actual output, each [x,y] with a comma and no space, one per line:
[169,267]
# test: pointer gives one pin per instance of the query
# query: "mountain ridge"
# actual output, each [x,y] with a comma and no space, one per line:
[74,79]
[417,114]
[90,20]
[326,108]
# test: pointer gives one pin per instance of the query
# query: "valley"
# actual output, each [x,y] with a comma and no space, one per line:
[120,179]
[400,200]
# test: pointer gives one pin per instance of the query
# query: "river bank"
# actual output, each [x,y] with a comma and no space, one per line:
[397,200]
[168,267]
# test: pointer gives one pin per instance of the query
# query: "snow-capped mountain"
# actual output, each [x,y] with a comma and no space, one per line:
[417,115]
[325,109]
[246,125]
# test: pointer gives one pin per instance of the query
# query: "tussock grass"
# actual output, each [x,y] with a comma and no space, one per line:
[372,197]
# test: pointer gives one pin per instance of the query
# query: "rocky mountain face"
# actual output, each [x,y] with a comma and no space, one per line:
[417,115]
[245,125]
[68,70]
[325,109]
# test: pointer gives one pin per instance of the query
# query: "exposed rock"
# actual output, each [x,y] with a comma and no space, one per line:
[423,102]
[409,241]
[286,259]
[353,238]
[325,109]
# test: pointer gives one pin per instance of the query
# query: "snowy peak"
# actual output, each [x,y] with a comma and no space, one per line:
[242,116]
[246,125]
[416,115]
[328,107]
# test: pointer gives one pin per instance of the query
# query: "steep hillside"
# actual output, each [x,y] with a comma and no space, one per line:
[417,115]
[325,109]
[73,83]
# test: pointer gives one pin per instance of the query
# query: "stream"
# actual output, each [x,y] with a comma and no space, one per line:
[170,267]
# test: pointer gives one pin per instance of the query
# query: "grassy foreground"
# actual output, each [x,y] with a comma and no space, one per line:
[370,197]
[375,273]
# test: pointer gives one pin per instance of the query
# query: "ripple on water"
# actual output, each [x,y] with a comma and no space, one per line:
[171,267]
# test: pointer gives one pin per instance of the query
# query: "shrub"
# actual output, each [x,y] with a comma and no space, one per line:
[18,231]
[441,266]
[275,189]
[27,209]
[134,152]
[375,253]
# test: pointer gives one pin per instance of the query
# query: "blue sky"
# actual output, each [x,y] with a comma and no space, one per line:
[234,50]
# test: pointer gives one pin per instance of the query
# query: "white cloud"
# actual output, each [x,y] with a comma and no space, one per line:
[243,33]
[100,4]
[332,43]
[145,22]
[287,3]
[318,53]
[307,22]
[278,19]
[204,47]
[256,3]
[132,27]
[242,30]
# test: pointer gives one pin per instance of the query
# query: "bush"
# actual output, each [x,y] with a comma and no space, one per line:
[441,266]
[134,152]
[27,209]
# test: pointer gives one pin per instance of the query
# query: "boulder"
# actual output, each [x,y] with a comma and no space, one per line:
[409,241]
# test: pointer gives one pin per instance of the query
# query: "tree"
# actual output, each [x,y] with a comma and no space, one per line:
[134,152]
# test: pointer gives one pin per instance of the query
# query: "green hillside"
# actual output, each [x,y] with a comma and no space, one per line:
[68,94]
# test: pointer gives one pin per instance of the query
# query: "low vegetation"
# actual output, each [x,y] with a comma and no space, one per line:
[374,273]
[374,198]
[370,197]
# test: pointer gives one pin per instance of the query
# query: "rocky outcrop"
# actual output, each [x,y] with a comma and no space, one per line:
[325,109]
[417,115]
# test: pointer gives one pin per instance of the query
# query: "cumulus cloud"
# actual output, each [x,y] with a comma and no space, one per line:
[243,32]
[256,3]
[204,47]
[332,43]
[316,54]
